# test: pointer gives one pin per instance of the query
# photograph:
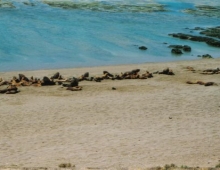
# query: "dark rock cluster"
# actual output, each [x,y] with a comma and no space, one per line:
[205,56]
[204,10]
[210,41]
[177,49]
[212,32]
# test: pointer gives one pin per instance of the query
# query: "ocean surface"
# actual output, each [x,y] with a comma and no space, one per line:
[50,34]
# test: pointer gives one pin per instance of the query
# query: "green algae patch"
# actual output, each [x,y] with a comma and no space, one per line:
[106,6]
[6,4]
[204,10]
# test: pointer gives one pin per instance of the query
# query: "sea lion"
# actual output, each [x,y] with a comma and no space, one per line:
[195,82]
[167,71]
[76,88]
[11,89]
[108,74]
[55,76]
[98,79]
[211,71]
[202,83]
[84,76]
[190,68]
[47,82]
[209,84]
[23,77]
[128,73]
[74,82]
[11,92]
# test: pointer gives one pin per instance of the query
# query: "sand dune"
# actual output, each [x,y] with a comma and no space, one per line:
[143,123]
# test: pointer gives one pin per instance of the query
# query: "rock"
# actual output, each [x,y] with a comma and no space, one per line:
[143,48]
[6,4]
[208,40]
[204,10]
[205,56]
[176,51]
[186,48]
[176,46]
[106,7]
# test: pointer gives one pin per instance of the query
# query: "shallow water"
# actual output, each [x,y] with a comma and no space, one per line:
[35,35]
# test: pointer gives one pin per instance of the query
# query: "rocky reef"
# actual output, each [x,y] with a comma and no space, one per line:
[204,10]
[212,32]
[6,4]
[207,38]
[106,6]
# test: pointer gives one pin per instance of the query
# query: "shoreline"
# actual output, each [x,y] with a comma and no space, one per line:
[143,123]
[101,67]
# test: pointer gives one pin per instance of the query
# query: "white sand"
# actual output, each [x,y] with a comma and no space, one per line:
[105,128]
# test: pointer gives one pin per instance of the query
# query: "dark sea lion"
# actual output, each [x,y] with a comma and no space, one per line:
[56,75]
[3,90]
[11,92]
[209,84]
[22,77]
[135,71]
[47,82]
[84,76]
[11,89]
[74,82]
[108,74]
[167,71]
[98,79]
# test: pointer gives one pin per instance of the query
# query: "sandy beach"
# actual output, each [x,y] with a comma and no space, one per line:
[141,124]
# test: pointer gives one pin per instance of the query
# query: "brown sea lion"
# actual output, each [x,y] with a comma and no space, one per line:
[76,88]
[4,82]
[167,71]
[195,82]
[146,75]
[23,77]
[108,74]
[84,76]
[190,68]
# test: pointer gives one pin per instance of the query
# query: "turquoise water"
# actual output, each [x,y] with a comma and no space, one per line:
[43,35]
